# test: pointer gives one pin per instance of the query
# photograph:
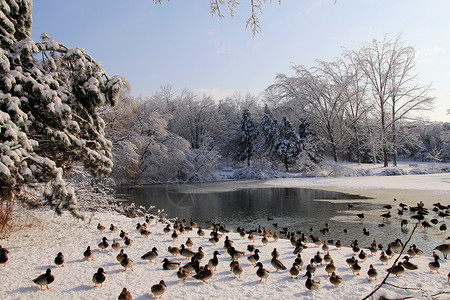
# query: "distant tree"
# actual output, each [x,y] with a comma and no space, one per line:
[49,96]
[287,143]
[308,141]
[248,134]
[267,132]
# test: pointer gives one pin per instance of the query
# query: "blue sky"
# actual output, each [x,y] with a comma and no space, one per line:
[180,43]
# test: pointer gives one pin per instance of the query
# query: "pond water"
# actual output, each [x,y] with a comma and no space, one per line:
[251,204]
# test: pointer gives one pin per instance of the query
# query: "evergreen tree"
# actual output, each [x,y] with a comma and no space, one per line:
[287,143]
[267,132]
[49,96]
[248,133]
[308,141]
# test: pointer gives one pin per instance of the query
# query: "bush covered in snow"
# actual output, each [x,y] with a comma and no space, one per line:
[394,172]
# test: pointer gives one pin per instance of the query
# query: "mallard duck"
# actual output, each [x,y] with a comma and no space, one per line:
[294,270]
[434,265]
[158,289]
[213,262]
[372,273]
[125,295]
[251,237]
[200,232]
[119,256]
[419,252]
[251,248]
[103,244]
[127,241]
[253,259]
[409,265]
[444,248]
[59,260]
[362,255]
[122,234]
[275,237]
[233,263]
[126,263]
[174,250]
[174,235]
[204,274]
[350,261]
[182,274]
[166,229]
[99,277]
[261,272]
[189,243]
[411,252]
[88,254]
[151,255]
[338,244]
[100,227]
[356,268]
[199,254]
[115,245]
[265,240]
[398,269]
[237,270]
[311,284]
[325,247]
[44,279]
[145,232]
[389,252]
[318,258]
[330,268]
[187,253]
[277,264]
[311,267]
[275,253]
[113,228]
[299,261]
[3,256]
[335,279]
[384,258]
[396,245]
[327,257]
[170,265]
[235,254]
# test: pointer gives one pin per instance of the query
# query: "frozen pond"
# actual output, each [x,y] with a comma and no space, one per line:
[250,204]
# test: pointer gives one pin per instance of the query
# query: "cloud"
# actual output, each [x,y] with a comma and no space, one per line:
[428,54]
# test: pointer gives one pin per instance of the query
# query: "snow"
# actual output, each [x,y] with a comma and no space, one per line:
[33,249]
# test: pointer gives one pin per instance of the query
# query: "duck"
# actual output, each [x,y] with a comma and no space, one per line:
[251,248]
[277,264]
[126,263]
[103,244]
[173,250]
[318,258]
[233,263]
[411,252]
[372,273]
[253,259]
[213,262]
[174,235]
[100,227]
[251,237]
[407,264]
[338,244]
[128,242]
[3,256]
[397,269]
[199,255]
[235,254]
[275,253]
[350,261]
[170,265]
[325,247]
[122,234]
[99,277]
[88,254]
[335,279]
[119,256]
[113,228]
[311,267]
[200,232]
[444,248]
[115,245]
[299,261]
[265,240]
[59,260]
[384,258]
[237,270]
[151,255]
[356,268]
[166,229]
[362,255]
[44,279]
[187,253]
[261,272]
[327,257]
[182,274]
[158,289]
[125,295]
[294,270]
[396,245]
[189,243]
[434,265]
[145,232]
[330,268]
[311,284]
[204,274]
[373,248]
[419,252]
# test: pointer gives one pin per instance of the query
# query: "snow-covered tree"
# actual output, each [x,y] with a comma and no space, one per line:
[49,95]
[248,135]
[308,142]
[287,143]
[267,132]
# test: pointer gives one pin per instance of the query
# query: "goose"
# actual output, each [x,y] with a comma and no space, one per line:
[44,279]
[99,277]
[158,289]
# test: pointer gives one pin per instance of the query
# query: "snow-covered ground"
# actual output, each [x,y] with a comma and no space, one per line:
[33,250]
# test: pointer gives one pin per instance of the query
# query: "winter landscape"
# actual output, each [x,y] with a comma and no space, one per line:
[371,121]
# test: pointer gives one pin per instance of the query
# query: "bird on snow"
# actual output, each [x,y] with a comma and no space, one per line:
[158,289]
[44,279]
[59,259]
[99,277]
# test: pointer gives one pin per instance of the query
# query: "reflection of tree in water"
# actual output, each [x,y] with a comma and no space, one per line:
[187,198]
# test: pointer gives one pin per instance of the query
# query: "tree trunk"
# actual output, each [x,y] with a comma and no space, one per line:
[286,163]
[384,135]
[394,134]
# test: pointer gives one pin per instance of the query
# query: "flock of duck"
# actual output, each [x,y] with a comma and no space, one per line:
[201,269]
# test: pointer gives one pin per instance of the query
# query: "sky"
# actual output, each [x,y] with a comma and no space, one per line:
[180,43]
